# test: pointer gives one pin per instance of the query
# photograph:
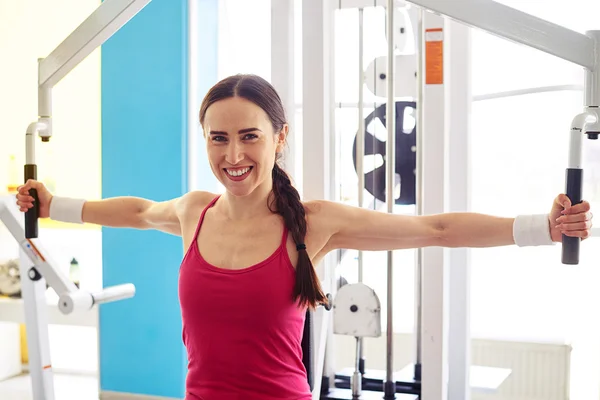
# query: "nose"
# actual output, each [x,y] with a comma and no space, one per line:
[234,153]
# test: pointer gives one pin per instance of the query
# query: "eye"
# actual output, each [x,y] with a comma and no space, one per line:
[218,138]
[250,136]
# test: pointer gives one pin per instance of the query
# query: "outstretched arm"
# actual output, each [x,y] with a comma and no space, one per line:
[133,212]
[360,229]
[120,212]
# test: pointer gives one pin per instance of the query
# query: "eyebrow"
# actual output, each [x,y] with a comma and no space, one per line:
[241,131]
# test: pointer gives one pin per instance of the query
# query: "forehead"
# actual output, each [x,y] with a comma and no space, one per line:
[235,113]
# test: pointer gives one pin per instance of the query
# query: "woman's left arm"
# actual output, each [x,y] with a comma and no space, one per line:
[361,229]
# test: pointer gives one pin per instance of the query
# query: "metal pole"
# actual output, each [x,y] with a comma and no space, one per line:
[389,384]
[360,136]
[360,154]
[419,195]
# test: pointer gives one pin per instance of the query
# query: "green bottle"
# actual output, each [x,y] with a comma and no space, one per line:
[74,272]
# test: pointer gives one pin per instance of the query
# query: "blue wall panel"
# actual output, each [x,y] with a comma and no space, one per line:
[144,153]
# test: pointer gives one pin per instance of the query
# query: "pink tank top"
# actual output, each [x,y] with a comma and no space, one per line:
[241,329]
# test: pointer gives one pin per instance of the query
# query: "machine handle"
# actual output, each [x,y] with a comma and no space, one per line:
[114,293]
[570,245]
[32,215]
[81,300]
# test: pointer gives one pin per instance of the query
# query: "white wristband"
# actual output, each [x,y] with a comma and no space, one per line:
[532,230]
[65,209]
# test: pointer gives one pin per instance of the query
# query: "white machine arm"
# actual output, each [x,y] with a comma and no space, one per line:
[105,21]
[584,50]
[71,298]
[517,26]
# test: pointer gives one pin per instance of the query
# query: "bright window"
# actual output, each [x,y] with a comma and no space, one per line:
[519,154]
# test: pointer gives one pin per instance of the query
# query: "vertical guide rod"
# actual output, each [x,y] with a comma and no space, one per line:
[419,193]
[360,138]
[360,154]
[389,384]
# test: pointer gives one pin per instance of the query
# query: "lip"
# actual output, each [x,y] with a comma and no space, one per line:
[238,178]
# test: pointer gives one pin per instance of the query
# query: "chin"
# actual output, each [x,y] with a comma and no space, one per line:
[238,191]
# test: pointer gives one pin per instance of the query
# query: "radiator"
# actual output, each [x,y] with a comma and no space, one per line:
[539,371]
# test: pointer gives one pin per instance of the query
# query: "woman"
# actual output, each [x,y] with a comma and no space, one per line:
[247,275]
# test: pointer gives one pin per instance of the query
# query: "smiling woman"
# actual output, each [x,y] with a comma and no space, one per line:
[247,276]
[247,129]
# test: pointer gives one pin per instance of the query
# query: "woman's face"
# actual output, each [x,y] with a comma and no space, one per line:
[241,144]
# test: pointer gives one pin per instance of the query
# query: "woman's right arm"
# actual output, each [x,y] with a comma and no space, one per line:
[118,212]
[134,212]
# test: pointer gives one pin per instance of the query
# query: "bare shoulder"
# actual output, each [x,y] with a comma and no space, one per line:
[321,211]
[193,203]
[189,209]
[321,224]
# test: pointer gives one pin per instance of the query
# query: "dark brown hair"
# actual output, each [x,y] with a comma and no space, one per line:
[307,290]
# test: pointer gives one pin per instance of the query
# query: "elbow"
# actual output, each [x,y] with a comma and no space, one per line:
[141,216]
[442,236]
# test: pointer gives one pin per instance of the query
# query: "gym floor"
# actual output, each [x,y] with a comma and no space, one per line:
[66,387]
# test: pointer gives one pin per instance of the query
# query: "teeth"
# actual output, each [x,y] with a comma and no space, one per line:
[238,172]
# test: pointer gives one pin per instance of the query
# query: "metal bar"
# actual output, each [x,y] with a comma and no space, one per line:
[282,76]
[360,136]
[350,4]
[521,92]
[318,166]
[517,26]
[390,183]
[360,156]
[434,278]
[419,194]
[107,19]
[458,174]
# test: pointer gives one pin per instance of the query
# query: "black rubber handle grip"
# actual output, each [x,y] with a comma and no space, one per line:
[570,245]
[32,215]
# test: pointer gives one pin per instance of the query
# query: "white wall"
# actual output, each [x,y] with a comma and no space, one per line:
[518,167]
[70,162]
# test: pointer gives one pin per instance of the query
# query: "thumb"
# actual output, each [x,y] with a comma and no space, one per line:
[563,201]
[33,184]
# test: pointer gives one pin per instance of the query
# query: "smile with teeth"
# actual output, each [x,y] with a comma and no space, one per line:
[238,172]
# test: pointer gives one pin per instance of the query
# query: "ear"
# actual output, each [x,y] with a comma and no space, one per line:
[281,137]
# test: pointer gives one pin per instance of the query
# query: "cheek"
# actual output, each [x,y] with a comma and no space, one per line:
[214,157]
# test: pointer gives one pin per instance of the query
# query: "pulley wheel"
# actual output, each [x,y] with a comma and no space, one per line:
[406,156]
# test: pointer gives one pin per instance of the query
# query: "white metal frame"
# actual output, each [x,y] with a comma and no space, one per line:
[36,267]
[283,77]
[319,152]
[431,159]
[522,28]
[445,275]
[107,19]
[458,133]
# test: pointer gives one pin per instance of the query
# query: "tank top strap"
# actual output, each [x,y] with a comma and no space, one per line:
[201,219]
[284,237]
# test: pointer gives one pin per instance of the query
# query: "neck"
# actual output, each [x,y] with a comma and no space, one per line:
[247,207]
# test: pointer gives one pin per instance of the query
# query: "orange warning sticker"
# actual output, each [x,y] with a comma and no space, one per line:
[434,56]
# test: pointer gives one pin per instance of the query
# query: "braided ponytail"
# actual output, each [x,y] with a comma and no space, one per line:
[308,290]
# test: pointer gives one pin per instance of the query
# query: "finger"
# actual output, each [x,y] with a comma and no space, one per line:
[586,216]
[563,200]
[32,184]
[24,198]
[576,226]
[580,234]
[580,208]
[23,207]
